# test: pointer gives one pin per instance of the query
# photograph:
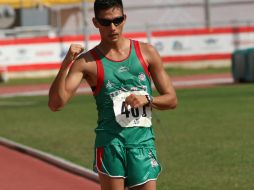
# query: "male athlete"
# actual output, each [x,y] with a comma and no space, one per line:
[119,71]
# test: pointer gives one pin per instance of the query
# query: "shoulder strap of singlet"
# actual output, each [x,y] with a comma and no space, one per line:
[100,71]
[140,57]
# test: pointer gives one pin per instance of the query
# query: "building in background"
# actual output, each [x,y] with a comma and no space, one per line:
[66,17]
[35,34]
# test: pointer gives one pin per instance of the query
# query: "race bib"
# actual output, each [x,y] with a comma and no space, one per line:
[131,117]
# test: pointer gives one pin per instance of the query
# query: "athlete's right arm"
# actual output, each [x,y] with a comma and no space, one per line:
[67,79]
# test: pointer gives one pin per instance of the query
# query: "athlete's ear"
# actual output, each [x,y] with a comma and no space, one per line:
[95,23]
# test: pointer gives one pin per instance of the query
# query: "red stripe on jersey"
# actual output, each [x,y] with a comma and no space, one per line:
[100,72]
[99,154]
[140,57]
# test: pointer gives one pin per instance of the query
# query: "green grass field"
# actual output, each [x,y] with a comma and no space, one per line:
[205,144]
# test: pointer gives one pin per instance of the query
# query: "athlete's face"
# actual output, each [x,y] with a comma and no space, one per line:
[110,23]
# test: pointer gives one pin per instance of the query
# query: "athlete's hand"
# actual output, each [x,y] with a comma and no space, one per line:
[73,52]
[135,101]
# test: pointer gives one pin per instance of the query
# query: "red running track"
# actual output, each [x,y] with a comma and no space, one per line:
[22,172]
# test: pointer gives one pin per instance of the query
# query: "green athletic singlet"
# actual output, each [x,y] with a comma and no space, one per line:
[118,125]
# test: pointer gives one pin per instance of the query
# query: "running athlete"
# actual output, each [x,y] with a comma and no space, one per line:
[119,71]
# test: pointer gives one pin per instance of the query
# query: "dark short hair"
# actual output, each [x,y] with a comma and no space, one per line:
[106,4]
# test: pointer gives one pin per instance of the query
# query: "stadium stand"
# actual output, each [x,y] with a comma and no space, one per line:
[180,30]
[17,4]
[66,15]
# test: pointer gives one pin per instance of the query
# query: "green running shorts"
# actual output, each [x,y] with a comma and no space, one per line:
[136,165]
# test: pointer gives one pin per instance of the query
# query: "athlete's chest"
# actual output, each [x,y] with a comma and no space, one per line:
[124,75]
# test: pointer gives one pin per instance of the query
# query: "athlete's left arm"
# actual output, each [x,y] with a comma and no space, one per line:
[162,81]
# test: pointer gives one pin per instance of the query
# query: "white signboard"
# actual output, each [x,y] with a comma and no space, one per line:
[39,54]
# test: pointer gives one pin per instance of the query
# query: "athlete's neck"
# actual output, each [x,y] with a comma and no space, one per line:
[119,49]
[119,45]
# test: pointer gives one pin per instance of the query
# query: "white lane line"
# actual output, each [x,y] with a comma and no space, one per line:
[38,93]
[203,82]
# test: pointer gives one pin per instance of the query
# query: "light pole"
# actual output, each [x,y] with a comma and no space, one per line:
[85,24]
[207,13]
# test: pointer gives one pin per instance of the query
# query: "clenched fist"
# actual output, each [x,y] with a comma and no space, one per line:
[73,52]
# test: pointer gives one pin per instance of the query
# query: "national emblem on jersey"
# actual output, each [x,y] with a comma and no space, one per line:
[142,77]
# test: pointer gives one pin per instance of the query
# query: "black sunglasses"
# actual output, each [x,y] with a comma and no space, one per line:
[106,22]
